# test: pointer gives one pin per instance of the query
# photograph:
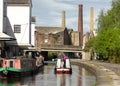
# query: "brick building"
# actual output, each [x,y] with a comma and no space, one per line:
[57,35]
[52,36]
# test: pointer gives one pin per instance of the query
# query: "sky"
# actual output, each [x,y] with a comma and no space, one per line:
[49,12]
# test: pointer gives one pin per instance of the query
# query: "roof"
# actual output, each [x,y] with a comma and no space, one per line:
[23,2]
[5,37]
[48,30]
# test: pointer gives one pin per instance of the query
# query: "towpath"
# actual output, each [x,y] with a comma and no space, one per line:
[107,74]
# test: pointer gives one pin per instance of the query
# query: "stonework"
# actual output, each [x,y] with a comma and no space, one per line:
[75,38]
[52,36]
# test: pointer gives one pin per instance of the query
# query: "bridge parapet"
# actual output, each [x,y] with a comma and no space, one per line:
[61,47]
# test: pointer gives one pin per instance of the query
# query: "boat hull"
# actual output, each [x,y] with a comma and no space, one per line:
[19,73]
[63,71]
[17,67]
[62,67]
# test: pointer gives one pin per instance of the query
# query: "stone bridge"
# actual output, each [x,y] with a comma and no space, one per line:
[62,48]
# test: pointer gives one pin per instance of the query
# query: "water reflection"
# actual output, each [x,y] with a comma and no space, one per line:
[28,81]
[79,77]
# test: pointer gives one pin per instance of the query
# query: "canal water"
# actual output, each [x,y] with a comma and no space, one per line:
[46,77]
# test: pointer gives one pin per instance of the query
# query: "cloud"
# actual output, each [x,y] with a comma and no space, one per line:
[71,22]
[52,5]
[55,13]
[48,12]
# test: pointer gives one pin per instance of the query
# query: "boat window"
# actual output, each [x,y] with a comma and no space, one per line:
[11,63]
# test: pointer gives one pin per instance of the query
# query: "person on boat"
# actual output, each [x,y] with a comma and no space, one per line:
[20,53]
[38,59]
[60,55]
[62,63]
[64,59]
[42,57]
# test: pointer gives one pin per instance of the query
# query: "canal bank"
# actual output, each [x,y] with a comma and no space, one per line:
[105,76]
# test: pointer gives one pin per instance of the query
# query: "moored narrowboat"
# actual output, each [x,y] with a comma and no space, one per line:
[19,66]
[63,67]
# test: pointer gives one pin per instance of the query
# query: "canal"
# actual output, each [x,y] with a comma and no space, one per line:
[46,77]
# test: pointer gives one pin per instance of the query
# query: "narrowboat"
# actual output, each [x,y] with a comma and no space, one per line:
[20,66]
[63,67]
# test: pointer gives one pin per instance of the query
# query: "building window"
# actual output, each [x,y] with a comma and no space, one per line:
[17,28]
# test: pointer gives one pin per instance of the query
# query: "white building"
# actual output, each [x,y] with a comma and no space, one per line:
[3,27]
[33,20]
[16,26]
[19,17]
[20,25]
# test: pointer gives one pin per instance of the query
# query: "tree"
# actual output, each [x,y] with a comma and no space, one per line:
[107,43]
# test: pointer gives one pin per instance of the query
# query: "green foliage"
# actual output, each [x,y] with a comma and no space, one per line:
[56,36]
[51,55]
[107,43]
[110,19]
[87,46]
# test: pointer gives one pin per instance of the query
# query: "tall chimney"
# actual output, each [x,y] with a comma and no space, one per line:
[91,19]
[80,23]
[63,19]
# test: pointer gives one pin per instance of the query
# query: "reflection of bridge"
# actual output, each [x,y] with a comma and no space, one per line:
[62,48]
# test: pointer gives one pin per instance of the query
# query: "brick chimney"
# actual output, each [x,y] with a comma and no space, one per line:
[91,19]
[63,19]
[80,23]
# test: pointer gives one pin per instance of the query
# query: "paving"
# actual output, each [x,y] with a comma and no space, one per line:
[107,74]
